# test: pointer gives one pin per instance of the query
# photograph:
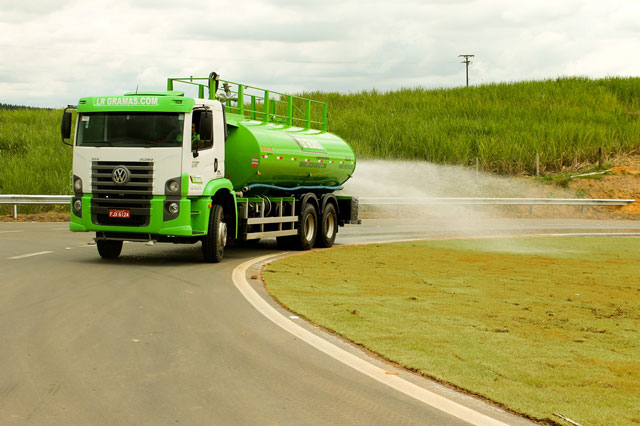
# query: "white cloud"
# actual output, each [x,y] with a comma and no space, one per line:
[56,51]
[540,12]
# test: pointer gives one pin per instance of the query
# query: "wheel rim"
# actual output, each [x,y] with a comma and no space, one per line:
[222,234]
[309,226]
[329,225]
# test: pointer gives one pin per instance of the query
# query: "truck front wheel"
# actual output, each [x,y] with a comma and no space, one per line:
[108,249]
[328,227]
[213,243]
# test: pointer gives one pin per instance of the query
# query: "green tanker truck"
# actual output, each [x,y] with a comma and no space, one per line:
[234,163]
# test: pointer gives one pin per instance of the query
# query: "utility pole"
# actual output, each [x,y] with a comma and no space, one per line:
[466,62]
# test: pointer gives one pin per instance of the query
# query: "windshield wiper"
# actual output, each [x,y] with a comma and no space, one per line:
[96,143]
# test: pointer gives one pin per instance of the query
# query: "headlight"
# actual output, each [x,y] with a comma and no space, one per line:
[173,208]
[173,186]
[77,205]
[77,184]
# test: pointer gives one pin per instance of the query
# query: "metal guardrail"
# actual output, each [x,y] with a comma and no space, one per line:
[33,199]
[531,202]
[496,201]
[369,201]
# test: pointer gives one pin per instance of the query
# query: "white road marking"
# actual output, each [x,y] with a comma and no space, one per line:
[10,232]
[439,402]
[29,255]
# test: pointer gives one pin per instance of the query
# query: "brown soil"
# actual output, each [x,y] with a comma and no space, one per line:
[36,217]
[623,181]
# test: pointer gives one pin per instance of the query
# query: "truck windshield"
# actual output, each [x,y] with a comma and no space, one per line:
[130,129]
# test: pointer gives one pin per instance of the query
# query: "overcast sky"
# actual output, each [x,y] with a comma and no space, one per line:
[54,51]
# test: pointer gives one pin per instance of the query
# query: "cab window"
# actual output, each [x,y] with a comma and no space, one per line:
[198,141]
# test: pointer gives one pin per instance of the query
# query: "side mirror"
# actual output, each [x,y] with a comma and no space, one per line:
[206,125]
[65,126]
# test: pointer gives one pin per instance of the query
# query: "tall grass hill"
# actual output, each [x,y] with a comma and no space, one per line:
[553,126]
[566,122]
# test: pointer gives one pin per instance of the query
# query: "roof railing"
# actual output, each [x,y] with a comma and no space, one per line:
[259,104]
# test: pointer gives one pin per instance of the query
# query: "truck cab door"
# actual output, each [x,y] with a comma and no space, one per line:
[207,147]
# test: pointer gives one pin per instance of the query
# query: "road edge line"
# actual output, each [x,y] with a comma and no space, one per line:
[22,256]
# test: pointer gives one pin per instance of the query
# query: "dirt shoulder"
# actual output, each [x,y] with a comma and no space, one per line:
[36,217]
[622,181]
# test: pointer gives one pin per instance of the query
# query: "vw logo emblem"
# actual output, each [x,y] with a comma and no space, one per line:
[120,175]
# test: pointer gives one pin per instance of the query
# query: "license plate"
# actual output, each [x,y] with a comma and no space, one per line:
[120,213]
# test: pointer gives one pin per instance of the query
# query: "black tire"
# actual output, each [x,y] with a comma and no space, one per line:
[308,229]
[213,243]
[108,249]
[327,227]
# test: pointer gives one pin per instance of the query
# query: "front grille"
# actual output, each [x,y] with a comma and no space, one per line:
[135,195]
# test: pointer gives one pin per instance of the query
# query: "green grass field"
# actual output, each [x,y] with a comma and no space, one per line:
[33,159]
[541,325]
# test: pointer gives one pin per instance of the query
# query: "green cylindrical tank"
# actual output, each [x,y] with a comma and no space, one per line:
[263,155]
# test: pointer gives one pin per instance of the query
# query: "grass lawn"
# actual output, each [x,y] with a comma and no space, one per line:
[541,325]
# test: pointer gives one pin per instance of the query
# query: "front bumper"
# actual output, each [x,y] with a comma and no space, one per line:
[181,225]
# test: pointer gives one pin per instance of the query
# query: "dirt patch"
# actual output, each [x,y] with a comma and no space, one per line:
[37,217]
[625,170]
[623,181]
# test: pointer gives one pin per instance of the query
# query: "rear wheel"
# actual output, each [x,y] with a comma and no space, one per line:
[308,230]
[213,243]
[328,227]
[108,249]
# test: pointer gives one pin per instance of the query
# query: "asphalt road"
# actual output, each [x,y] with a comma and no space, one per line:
[159,338]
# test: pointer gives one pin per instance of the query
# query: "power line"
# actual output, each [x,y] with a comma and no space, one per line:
[466,62]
